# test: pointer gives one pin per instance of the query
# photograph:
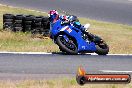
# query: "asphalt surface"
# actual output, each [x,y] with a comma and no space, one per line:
[119,11]
[16,66]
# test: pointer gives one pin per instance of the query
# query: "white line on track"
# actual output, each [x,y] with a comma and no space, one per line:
[6,52]
[24,53]
[112,71]
[113,54]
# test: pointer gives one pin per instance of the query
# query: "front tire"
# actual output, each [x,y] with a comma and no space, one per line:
[64,45]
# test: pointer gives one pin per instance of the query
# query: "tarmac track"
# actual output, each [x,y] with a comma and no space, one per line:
[41,66]
[118,11]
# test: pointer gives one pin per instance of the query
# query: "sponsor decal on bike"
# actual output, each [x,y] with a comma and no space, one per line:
[69,30]
[66,28]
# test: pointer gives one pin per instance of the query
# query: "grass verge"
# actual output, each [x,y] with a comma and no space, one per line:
[57,83]
[118,36]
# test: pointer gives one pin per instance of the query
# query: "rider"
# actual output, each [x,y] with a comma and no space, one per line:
[54,16]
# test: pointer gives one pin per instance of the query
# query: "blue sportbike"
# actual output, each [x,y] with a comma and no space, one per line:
[72,39]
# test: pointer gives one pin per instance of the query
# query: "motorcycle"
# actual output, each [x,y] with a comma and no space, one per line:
[72,40]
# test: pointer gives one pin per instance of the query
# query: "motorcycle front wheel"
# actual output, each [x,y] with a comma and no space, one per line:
[69,47]
[102,48]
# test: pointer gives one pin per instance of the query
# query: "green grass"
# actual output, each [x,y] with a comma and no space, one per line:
[118,36]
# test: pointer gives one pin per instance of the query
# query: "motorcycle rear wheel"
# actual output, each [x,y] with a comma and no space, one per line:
[102,48]
[64,47]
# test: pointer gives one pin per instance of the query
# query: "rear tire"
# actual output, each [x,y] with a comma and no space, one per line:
[102,48]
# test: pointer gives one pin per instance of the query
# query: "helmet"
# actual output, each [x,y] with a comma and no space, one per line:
[53,15]
[53,12]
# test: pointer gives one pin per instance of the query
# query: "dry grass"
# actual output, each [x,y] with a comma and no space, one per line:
[21,42]
[56,83]
[118,37]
